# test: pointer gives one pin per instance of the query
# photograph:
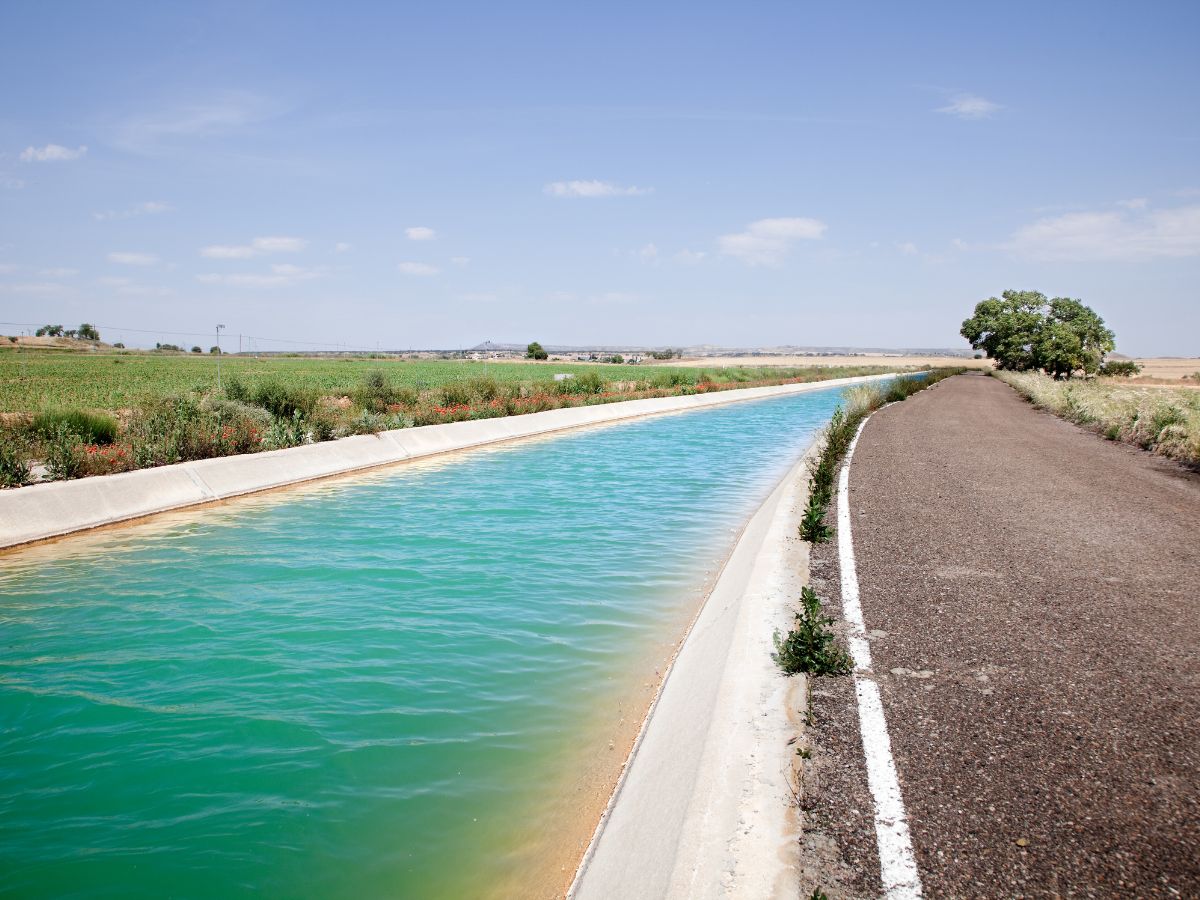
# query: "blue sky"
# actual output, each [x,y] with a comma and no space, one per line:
[409,175]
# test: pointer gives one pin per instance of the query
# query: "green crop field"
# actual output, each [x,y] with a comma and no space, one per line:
[31,381]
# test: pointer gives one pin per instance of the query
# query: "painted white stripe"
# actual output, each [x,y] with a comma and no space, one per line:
[897,864]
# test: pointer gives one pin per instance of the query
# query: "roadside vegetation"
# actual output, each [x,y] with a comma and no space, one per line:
[811,646]
[861,401]
[68,416]
[1164,421]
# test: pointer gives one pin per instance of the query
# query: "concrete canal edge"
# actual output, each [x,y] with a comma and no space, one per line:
[706,805]
[43,511]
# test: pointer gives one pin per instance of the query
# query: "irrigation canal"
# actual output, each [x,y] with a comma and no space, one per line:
[387,685]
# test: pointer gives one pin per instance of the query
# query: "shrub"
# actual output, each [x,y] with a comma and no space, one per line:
[89,427]
[812,527]
[283,401]
[1120,368]
[810,646]
[236,390]
[456,393]
[376,393]
[62,452]
[14,459]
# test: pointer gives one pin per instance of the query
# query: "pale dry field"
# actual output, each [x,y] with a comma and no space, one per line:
[873,359]
[1171,368]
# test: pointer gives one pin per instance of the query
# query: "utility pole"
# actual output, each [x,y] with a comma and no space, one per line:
[219,327]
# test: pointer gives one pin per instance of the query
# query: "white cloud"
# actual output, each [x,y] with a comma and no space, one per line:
[460,261]
[417,268]
[59,273]
[969,106]
[341,247]
[8,183]
[649,253]
[592,189]
[1135,203]
[257,247]
[908,248]
[420,233]
[960,244]
[690,257]
[52,153]
[1131,235]
[150,207]
[479,297]
[8,268]
[133,259]
[767,241]
[281,275]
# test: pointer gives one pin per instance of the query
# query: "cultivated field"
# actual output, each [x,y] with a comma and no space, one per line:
[40,380]
[67,415]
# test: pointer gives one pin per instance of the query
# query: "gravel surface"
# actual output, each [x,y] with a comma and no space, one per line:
[1034,594]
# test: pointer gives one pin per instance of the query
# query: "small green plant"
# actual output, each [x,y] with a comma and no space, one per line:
[818,894]
[810,647]
[812,527]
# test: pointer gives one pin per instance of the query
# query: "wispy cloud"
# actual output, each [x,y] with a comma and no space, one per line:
[908,248]
[129,288]
[150,207]
[690,257]
[52,153]
[417,268]
[1136,234]
[460,261]
[126,258]
[420,233]
[592,189]
[281,275]
[33,287]
[8,268]
[767,241]
[341,247]
[210,118]
[257,247]
[9,183]
[969,106]
[59,272]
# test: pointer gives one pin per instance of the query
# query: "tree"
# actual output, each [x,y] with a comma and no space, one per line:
[535,351]
[88,332]
[1023,330]
[49,331]
[196,349]
[214,349]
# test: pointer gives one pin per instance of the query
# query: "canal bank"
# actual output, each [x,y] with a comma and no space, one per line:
[43,511]
[706,803]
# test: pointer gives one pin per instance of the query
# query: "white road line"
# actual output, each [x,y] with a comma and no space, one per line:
[897,864]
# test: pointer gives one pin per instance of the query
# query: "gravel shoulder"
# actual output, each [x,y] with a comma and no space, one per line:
[1033,594]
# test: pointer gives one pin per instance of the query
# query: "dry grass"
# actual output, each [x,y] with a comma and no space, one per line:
[1166,422]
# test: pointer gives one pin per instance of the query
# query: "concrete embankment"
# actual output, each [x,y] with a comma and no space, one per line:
[43,511]
[706,805]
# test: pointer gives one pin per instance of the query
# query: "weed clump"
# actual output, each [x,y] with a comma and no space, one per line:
[810,647]
[91,428]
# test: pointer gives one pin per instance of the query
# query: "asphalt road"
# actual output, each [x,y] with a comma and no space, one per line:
[1034,597]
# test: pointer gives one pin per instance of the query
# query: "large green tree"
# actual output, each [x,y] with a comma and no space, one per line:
[1023,330]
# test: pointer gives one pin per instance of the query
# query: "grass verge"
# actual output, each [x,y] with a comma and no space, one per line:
[1166,422]
[843,425]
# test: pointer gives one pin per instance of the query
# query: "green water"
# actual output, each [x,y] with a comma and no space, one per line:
[368,689]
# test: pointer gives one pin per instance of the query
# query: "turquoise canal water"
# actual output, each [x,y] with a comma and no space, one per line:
[374,687]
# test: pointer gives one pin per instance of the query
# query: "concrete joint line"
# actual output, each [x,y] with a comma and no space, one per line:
[897,863]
